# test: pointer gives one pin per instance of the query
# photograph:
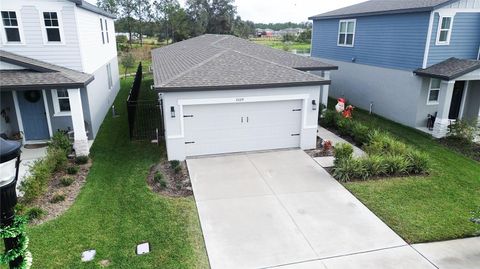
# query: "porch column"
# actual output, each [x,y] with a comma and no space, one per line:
[80,143]
[325,89]
[440,128]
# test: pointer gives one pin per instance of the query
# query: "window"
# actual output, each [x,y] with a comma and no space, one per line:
[106,31]
[10,23]
[51,26]
[433,91]
[101,29]
[61,102]
[444,30]
[109,74]
[346,33]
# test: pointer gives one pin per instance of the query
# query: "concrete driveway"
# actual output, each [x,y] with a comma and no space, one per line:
[265,210]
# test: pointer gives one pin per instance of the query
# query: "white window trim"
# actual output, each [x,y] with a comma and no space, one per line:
[106,30]
[56,106]
[346,33]
[444,43]
[109,76]
[20,29]
[430,89]
[44,28]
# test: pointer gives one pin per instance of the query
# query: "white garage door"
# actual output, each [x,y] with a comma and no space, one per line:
[223,128]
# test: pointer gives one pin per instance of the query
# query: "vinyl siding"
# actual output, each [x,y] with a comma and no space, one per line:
[94,53]
[66,54]
[392,41]
[464,41]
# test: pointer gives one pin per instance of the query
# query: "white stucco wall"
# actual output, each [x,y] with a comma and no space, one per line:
[174,134]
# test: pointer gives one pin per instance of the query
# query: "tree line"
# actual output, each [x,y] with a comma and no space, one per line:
[168,20]
[283,25]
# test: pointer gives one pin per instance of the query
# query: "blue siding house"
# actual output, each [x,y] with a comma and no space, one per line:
[415,62]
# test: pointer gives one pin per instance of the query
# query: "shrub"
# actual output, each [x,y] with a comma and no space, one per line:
[57,198]
[174,163]
[345,126]
[81,159]
[418,162]
[396,164]
[34,213]
[343,152]
[330,117]
[162,182]
[360,133]
[41,173]
[72,170]
[158,177]
[463,130]
[178,169]
[66,181]
[60,141]
[348,169]
[375,165]
[57,158]
[383,143]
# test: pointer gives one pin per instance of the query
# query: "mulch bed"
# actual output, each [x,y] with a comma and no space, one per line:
[319,151]
[471,150]
[177,183]
[70,192]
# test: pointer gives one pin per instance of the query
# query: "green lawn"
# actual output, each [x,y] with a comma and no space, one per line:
[278,44]
[422,209]
[145,66]
[115,211]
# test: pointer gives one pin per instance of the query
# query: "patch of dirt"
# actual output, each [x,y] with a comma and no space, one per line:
[177,184]
[70,192]
[320,151]
[104,263]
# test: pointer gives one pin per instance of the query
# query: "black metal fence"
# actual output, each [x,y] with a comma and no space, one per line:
[145,120]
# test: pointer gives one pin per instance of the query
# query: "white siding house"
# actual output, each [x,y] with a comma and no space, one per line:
[70,47]
[223,94]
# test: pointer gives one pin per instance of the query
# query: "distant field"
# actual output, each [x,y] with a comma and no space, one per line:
[279,44]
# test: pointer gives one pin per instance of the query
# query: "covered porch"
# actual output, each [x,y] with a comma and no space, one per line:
[39,99]
[457,95]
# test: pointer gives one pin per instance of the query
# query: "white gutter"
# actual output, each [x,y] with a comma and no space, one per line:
[429,39]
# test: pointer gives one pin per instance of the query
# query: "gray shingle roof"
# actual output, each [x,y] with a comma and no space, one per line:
[449,69]
[375,7]
[39,73]
[223,61]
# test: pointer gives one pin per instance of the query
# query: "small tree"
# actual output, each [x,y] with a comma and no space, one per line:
[128,62]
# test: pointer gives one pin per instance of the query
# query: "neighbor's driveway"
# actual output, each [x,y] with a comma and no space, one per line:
[278,208]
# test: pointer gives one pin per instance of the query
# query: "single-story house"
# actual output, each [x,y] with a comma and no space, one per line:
[224,94]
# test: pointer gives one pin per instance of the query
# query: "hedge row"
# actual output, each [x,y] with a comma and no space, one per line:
[386,155]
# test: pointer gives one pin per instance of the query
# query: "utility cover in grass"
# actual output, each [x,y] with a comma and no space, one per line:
[143,248]
[88,255]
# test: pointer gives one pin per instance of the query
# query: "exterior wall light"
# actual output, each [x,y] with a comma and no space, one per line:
[314,105]
[172,112]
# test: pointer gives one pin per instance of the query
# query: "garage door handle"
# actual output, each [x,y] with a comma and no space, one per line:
[247,119]
[190,142]
[241,120]
[295,134]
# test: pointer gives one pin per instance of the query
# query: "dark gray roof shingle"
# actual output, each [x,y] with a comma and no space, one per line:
[223,61]
[375,7]
[39,73]
[449,69]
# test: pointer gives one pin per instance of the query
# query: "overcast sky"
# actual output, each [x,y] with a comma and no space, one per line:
[284,10]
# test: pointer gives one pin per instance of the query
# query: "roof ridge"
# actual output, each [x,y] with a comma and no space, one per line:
[267,61]
[191,69]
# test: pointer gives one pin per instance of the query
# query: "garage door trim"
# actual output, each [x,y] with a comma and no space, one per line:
[249,99]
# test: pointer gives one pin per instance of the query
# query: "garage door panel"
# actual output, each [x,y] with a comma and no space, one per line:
[223,128]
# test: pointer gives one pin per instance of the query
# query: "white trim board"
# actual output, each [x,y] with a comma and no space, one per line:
[19,115]
[429,40]
[47,112]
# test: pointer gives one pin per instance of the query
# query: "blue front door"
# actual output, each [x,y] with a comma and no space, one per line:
[33,113]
